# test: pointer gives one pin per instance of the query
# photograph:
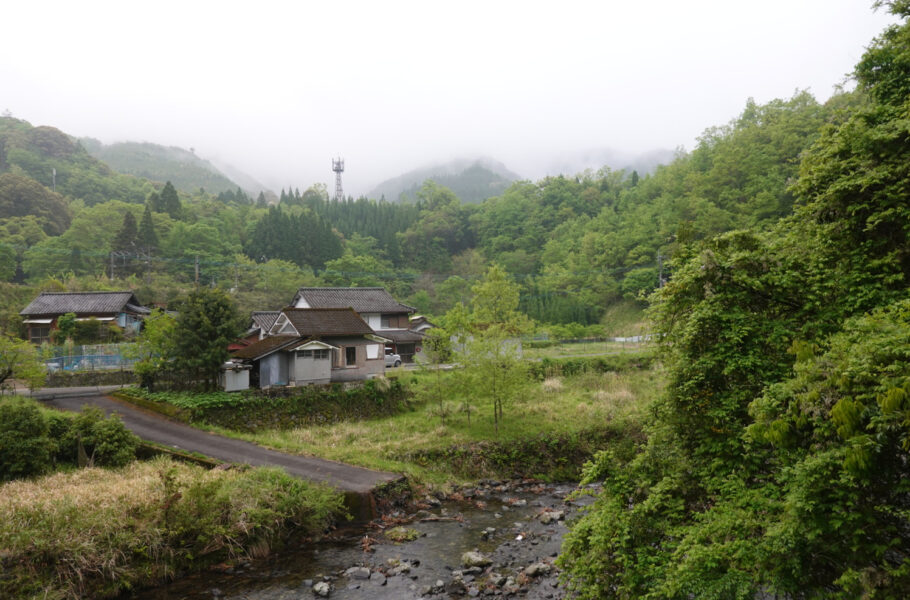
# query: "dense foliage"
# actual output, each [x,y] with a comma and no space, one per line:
[777,461]
[35,441]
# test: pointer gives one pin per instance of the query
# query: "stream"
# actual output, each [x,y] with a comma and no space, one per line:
[516,527]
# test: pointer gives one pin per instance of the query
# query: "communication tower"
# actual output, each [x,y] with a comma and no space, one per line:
[338,167]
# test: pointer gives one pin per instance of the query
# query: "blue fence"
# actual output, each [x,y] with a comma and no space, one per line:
[88,358]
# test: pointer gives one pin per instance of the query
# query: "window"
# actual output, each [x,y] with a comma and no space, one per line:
[319,354]
[372,351]
[386,322]
[350,356]
[304,354]
[37,335]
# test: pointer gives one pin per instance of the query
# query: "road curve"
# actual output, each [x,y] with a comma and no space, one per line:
[156,428]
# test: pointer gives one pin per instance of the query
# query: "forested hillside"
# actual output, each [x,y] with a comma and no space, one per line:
[577,244]
[58,162]
[777,461]
[186,171]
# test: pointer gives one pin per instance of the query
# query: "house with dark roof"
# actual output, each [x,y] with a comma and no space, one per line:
[118,308]
[316,345]
[385,315]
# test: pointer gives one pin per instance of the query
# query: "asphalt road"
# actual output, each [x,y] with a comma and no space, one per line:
[156,428]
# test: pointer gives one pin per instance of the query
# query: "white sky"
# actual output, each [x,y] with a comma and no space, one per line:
[278,88]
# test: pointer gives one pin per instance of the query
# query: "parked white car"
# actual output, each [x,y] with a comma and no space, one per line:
[392,359]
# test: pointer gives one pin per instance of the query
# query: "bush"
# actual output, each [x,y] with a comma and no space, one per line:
[25,447]
[106,441]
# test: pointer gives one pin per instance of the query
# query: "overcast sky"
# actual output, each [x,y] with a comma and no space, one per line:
[278,88]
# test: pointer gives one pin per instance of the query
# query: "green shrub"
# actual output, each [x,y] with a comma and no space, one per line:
[25,448]
[106,441]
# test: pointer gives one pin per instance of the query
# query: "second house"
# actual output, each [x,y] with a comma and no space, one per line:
[314,345]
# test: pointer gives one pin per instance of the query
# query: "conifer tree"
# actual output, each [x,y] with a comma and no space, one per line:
[170,203]
[147,239]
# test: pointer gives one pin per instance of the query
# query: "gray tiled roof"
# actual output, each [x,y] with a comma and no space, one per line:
[327,321]
[363,300]
[264,319]
[401,336]
[93,303]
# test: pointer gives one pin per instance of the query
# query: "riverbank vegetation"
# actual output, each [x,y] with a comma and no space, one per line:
[93,533]
[776,463]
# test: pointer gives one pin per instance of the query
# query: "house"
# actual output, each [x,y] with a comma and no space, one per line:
[385,315]
[314,345]
[119,308]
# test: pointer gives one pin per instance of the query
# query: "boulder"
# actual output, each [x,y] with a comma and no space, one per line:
[322,589]
[473,558]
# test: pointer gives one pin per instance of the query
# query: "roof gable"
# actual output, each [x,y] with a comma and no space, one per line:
[362,300]
[59,303]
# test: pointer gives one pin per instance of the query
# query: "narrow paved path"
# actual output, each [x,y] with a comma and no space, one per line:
[155,428]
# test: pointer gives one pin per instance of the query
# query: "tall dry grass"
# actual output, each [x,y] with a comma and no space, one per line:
[95,532]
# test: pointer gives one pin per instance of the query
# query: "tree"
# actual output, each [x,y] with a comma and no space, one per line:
[146,237]
[21,196]
[207,322]
[488,340]
[19,360]
[124,245]
[169,202]
[156,347]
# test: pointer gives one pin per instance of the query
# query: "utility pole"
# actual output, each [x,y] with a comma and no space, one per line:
[660,270]
[112,265]
[197,270]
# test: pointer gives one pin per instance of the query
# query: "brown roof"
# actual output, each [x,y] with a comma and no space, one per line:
[266,346]
[326,321]
[363,300]
[93,303]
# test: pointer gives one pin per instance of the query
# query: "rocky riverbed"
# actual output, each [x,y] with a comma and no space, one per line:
[492,539]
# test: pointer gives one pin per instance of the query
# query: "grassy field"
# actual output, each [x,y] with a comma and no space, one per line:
[554,407]
[93,533]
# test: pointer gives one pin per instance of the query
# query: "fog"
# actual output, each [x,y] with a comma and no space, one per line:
[277,89]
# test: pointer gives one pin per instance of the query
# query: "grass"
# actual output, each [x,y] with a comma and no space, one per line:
[584,348]
[96,532]
[557,406]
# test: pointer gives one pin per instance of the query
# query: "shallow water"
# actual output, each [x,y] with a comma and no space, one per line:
[520,539]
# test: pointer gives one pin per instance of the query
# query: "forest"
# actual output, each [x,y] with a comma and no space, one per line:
[776,463]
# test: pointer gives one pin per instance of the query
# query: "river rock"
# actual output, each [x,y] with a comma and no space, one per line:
[377,578]
[473,558]
[358,573]
[551,516]
[537,569]
[322,589]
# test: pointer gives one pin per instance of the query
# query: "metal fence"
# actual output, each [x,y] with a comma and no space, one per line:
[88,357]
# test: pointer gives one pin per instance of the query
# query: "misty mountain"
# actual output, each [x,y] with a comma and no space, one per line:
[186,171]
[472,180]
[597,158]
